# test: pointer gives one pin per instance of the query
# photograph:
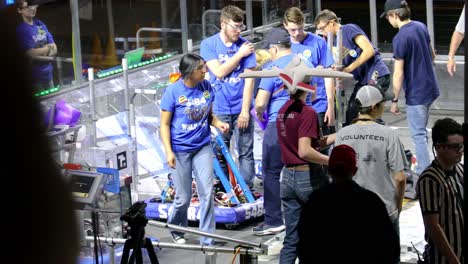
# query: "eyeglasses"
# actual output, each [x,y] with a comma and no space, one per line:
[237,27]
[455,146]
[324,26]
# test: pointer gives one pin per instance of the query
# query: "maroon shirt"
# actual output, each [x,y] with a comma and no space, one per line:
[301,121]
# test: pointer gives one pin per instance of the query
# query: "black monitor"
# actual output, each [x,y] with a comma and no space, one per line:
[86,187]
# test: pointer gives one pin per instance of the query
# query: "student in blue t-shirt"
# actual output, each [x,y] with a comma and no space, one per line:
[361,58]
[313,49]
[185,131]
[227,55]
[271,96]
[414,72]
[36,40]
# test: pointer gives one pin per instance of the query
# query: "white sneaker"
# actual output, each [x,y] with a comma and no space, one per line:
[263,229]
[179,240]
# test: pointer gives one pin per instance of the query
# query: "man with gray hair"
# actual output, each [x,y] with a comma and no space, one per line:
[380,153]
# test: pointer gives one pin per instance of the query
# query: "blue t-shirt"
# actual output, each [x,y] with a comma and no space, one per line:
[412,44]
[32,37]
[314,49]
[190,108]
[365,72]
[228,91]
[274,85]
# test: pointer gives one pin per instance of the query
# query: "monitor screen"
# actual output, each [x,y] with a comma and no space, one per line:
[82,185]
[86,186]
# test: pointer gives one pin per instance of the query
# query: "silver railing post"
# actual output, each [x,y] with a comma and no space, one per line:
[92,106]
[373,22]
[76,41]
[184,25]
[340,92]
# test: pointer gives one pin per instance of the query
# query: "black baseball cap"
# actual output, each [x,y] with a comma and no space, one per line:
[276,36]
[393,4]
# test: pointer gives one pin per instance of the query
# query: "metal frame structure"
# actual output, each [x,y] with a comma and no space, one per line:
[247,248]
[184,25]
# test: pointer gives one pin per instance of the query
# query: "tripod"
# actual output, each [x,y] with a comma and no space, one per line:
[137,223]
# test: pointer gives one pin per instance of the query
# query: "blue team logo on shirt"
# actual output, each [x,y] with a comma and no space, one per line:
[353,53]
[196,109]
[306,53]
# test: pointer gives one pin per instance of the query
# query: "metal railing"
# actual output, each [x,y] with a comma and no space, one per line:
[58,61]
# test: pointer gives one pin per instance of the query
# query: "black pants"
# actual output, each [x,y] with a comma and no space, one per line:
[353,110]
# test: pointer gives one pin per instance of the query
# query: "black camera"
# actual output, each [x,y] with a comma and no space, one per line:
[136,215]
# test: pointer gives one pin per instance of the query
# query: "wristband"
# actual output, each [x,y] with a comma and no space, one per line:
[394,100]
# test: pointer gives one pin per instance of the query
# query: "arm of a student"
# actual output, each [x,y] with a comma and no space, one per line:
[436,233]
[220,70]
[244,116]
[400,183]
[327,140]
[43,51]
[261,102]
[397,82]
[367,53]
[457,38]
[307,153]
[165,130]
[53,49]
[329,118]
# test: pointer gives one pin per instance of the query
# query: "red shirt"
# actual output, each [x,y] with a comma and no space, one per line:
[301,121]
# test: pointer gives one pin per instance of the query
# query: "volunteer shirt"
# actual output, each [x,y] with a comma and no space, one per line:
[190,108]
[230,89]
[412,44]
[365,72]
[274,85]
[299,121]
[314,49]
[32,37]
[380,153]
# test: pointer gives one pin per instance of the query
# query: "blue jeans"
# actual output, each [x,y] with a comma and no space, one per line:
[271,172]
[417,116]
[244,145]
[201,164]
[296,187]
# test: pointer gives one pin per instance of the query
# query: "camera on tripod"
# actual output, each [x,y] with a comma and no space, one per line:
[135,216]
[136,219]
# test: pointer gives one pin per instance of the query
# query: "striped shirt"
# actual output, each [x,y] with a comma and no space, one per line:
[442,193]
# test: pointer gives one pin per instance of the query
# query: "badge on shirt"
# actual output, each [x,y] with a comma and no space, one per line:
[206,95]
[307,53]
[182,99]
[353,53]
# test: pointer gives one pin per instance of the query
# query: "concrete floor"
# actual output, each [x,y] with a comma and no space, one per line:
[411,225]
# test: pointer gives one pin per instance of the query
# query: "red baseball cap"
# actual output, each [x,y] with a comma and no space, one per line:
[342,159]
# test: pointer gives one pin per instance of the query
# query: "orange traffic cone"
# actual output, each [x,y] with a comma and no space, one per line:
[96,56]
[110,58]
